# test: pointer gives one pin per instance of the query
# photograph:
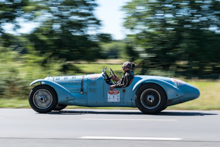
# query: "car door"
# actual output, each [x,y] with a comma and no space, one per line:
[121,96]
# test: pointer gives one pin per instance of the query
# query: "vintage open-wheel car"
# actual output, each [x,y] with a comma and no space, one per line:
[151,94]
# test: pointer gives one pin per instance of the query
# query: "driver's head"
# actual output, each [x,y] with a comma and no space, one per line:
[126,66]
[133,66]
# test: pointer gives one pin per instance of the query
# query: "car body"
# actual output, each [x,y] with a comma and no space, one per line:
[151,94]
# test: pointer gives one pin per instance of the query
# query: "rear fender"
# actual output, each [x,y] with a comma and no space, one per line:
[171,91]
[63,94]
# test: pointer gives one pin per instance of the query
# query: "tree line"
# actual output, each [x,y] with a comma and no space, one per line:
[175,36]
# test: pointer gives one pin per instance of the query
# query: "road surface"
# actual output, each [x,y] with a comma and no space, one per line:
[108,128]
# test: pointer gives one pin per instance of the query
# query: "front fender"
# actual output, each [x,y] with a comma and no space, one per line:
[171,91]
[63,94]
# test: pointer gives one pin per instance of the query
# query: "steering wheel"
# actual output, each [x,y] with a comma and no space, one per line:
[112,74]
[105,75]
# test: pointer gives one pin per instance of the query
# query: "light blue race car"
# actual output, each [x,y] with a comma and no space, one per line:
[151,94]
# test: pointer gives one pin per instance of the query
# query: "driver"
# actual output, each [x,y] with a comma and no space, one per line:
[126,78]
[133,66]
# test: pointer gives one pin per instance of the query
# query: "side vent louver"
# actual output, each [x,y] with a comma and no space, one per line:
[92,83]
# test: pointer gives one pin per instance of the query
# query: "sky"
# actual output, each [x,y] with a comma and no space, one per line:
[111,15]
[108,11]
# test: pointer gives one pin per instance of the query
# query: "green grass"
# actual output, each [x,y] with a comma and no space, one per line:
[97,68]
[14,103]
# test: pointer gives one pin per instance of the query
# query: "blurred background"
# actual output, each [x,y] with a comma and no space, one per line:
[173,38]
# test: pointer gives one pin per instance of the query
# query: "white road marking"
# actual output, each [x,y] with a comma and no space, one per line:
[129,119]
[129,138]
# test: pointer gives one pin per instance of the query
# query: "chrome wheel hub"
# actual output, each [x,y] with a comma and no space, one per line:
[150,98]
[43,98]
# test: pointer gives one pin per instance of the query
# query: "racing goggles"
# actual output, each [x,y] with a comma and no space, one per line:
[123,67]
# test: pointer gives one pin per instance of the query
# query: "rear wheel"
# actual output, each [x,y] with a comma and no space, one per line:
[43,98]
[150,99]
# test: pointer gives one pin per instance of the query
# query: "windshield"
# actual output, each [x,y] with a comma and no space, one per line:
[104,69]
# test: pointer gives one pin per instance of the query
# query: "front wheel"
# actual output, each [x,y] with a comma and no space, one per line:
[150,99]
[59,107]
[43,98]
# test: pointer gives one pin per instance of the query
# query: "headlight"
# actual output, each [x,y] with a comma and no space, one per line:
[178,82]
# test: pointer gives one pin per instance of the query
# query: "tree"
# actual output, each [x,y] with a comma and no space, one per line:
[64,32]
[104,38]
[177,35]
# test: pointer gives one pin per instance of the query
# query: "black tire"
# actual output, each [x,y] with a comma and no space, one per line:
[59,107]
[164,108]
[43,98]
[150,99]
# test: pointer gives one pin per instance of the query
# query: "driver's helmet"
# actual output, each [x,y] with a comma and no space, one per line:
[127,64]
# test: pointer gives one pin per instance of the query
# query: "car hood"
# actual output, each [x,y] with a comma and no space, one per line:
[61,79]
[64,79]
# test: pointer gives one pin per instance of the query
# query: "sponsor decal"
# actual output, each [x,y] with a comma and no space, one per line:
[94,76]
[113,96]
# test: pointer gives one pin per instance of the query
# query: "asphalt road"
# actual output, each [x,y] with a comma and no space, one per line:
[108,128]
